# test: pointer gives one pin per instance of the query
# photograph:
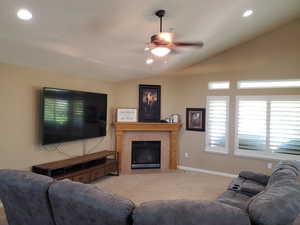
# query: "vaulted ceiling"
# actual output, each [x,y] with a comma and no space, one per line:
[106,39]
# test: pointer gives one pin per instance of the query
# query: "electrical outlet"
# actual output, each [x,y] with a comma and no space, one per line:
[186,155]
[270,165]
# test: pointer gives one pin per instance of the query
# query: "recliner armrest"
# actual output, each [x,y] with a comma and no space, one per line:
[257,177]
[188,212]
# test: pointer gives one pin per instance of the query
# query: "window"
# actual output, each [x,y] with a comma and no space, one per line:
[218,85]
[217,124]
[252,84]
[268,126]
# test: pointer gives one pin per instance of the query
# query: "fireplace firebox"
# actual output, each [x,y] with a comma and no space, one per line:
[145,154]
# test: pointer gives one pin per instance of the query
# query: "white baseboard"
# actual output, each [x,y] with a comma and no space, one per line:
[207,171]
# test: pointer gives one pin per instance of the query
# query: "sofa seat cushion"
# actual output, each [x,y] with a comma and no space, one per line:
[251,188]
[256,177]
[235,199]
[246,186]
[188,212]
[75,203]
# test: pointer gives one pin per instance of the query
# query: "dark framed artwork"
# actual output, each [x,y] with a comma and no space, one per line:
[195,119]
[149,103]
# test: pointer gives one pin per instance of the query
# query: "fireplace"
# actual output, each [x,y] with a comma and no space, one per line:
[145,154]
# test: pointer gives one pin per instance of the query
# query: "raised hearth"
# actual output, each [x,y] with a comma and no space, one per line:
[166,133]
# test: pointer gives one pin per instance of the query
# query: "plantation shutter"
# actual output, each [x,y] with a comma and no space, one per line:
[252,124]
[285,127]
[217,123]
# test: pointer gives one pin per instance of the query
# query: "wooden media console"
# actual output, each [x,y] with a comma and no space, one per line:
[85,169]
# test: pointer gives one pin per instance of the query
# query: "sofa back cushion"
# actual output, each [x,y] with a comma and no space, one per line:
[25,199]
[188,212]
[279,203]
[76,204]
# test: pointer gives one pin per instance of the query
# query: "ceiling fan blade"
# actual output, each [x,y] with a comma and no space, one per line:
[175,51]
[189,44]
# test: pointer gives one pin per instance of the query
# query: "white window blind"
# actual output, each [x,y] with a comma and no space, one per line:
[285,127]
[217,124]
[252,123]
[268,126]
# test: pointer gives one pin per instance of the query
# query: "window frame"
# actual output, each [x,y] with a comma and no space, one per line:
[217,150]
[210,83]
[265,154]
[266,87]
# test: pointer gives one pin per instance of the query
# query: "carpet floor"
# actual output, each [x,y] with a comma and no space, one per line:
[165,186]
[161,186]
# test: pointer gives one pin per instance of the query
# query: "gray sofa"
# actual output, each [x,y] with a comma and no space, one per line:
[251,199]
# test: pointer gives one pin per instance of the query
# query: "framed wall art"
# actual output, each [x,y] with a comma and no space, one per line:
[126,115]
[149,103]
[195,119]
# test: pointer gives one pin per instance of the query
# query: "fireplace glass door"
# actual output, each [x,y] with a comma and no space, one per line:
[145,154]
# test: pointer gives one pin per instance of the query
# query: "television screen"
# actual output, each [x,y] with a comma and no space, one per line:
[71,115]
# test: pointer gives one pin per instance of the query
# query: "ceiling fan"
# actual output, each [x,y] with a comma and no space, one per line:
[162,44]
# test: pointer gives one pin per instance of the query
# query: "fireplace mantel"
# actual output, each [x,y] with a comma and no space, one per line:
[147,126]
[172,128]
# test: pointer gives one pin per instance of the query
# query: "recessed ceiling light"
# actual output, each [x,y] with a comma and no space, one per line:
[149,61]
[247,13]
[24,14]
[147,49]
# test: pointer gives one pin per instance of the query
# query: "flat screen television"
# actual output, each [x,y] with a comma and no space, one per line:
[72,115]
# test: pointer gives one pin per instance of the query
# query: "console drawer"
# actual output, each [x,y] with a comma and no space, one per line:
[111,167]
[83,178]
[95,174]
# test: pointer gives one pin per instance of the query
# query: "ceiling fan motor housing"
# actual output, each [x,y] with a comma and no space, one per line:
[156,40]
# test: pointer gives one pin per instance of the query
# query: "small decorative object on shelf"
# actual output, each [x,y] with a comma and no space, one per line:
[126,115]
[174,118]
[149,103]
[195,119]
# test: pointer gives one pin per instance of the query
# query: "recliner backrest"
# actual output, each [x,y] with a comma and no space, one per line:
[25,198]
[279,203]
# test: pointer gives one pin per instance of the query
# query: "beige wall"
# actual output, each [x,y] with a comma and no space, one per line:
[19,116]
[275,55]
[272,56]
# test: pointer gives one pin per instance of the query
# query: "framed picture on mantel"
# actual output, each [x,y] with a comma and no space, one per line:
[126,115]
[149,103]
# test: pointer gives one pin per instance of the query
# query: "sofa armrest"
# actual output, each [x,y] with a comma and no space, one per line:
[257,177]
[183,212]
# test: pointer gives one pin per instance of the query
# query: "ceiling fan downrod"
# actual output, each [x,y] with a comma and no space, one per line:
[160,13]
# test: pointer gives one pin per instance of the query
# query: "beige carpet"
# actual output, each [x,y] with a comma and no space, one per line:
[161,186]
[165,186]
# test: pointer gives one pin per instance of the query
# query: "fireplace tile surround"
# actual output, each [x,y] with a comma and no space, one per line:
[129,137]
[126,133]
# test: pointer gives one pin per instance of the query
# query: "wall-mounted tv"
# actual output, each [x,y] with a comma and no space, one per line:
[68,115]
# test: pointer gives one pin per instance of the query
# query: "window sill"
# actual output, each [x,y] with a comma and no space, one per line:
[265,155]
[217,151]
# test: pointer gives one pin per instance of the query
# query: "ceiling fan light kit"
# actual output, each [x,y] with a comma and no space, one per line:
[161,44]
[160,51]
